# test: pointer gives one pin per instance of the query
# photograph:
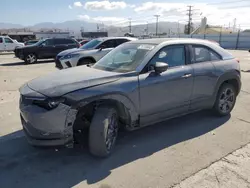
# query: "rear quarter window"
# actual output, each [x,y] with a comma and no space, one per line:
[70,41]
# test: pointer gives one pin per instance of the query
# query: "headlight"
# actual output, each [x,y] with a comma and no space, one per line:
[49,104]
[69,56]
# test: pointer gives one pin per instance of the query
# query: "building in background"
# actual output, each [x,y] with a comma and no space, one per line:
[94,34]
[204,28]
[49,34]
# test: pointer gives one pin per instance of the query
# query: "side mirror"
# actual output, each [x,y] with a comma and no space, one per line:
[160,67]
[102,47]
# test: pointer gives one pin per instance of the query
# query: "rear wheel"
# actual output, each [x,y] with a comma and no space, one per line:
[30,58]
[225,100]
[103,131]
[86,61]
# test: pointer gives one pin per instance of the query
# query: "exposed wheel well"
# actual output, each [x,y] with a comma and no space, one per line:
[85,113]
[235,83]
[86,58]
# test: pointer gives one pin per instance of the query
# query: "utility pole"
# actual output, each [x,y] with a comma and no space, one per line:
[129,26]
[234,26]
[178,28]
[97,27]
[190,10]
[156,27]
[147,29]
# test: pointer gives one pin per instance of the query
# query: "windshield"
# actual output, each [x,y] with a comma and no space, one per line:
[39,42]
[124,58]
[91,44]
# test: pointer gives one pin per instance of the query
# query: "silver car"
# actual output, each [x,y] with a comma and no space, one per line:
[139,83]
[90,52]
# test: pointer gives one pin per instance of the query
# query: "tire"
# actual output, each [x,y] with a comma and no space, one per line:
[225,100]
[30,59]
[85,62]
[103,131]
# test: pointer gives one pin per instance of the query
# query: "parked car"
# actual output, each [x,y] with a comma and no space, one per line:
[45,49]
[139,83]
[30,42]
[8,44]
[83,42]
[90,52]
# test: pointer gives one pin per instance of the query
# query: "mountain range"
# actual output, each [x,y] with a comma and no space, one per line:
[76,25]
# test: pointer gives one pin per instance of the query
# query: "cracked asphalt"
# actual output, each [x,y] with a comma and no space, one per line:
[198,150]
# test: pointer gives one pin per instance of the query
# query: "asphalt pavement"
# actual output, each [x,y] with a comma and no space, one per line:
[172,153]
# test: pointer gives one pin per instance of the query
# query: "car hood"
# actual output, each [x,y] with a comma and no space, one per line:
[27,47]
[68,80]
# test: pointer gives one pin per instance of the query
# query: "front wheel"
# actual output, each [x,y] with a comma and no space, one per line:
[30,58]
[225,100]
[103,131]
[85,62]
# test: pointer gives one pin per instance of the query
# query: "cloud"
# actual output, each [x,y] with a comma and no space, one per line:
[217,14]
[84,17]
[70,7]
[106,20]
[105,5]
[78,4]
[160,7]
[131,6]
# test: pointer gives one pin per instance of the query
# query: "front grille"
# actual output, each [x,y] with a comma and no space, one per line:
[58,63]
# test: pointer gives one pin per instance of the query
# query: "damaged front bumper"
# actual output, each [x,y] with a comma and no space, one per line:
[44,127]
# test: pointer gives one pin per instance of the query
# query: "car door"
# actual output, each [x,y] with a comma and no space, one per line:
[46,49]
[2,46]
[106,47]
[60,45]
[205,78]
[9,44]
[169,93]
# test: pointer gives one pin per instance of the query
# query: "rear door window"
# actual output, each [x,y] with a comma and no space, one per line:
[109,44]
[203,54]
[60,41]
[121,41]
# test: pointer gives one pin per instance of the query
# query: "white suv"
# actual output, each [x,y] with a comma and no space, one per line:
[90,52]
[8,44]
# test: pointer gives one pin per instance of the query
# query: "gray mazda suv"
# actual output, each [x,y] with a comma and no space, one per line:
[181,75]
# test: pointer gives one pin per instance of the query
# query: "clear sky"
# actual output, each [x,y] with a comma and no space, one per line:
[29,12]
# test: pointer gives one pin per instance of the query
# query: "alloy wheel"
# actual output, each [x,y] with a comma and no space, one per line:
[112,132]
[31,58]
[226,100]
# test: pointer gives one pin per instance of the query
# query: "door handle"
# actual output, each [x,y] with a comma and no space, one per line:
[186,75]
